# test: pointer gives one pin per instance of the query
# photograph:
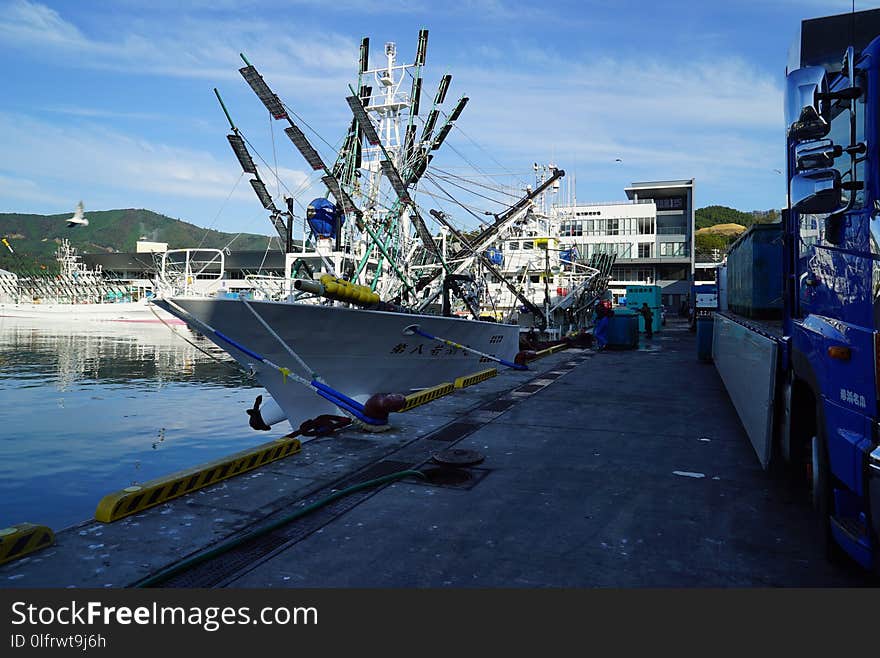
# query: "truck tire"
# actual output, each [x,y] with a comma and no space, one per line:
[820,493]
[786,430]
[792,454]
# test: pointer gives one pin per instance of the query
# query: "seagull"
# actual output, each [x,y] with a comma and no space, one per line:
[778,171]
[618,160]
[78,219]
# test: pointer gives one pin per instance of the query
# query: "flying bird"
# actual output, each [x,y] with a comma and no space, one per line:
[78,219]
[618,160]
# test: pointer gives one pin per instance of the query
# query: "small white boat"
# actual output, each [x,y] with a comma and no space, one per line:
[78,293]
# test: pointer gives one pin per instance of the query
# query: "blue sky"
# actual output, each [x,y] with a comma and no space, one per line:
[111,102]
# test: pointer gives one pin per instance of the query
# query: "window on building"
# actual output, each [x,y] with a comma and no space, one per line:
[644,249]
[646,225]
[613,227]
[675,203]
[528,245]
[672,249]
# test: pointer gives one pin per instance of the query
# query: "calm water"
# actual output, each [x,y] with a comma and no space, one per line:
[90,408]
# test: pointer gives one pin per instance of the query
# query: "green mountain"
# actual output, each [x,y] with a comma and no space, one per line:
[708,244]
[712,215]
[34,238]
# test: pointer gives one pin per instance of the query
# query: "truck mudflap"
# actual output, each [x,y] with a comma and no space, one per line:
[747,363]
[874,491]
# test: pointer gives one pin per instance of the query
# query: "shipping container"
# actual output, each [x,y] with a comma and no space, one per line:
[754,273]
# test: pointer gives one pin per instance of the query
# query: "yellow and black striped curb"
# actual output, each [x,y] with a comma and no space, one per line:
[548,351]
[134,499]
[427,395]
[23,539]
[476,378]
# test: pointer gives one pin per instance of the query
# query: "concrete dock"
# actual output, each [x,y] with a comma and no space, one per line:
[610,469]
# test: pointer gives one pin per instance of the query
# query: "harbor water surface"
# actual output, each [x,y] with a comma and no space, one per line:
[89,408]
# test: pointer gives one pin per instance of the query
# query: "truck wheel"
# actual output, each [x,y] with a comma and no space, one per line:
[786,430]
[820,492]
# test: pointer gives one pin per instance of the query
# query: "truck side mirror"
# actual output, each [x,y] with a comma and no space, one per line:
[810,125]
[804,88]
[817,155]
[816,192]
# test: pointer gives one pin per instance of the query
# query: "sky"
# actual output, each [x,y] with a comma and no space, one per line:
[111,102]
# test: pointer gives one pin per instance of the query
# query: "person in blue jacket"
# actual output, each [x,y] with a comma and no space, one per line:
[600,331]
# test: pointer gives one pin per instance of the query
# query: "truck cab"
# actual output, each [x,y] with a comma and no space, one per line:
[798,346]
[830,344]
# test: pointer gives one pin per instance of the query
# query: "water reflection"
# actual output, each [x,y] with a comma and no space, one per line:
[83,353]
[88,408]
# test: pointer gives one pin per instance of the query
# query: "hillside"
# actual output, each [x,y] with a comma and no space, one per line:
[722,229]
[712,215]
[34,238]
[719,226]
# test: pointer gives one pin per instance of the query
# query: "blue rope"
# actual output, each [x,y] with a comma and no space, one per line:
[323,387]
[357,413]
[504,362]
[340,400]
[238,346]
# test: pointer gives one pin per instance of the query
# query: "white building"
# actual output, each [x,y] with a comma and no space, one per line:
[651,236]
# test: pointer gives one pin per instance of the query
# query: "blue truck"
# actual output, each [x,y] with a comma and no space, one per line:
[799,351]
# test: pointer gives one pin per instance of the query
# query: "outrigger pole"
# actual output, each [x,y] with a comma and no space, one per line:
[276,109]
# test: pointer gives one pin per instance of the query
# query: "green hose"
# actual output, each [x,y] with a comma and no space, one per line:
[165,574]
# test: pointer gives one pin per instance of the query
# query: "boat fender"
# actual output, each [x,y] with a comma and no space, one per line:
[263,416]
[382,404]
[524,356]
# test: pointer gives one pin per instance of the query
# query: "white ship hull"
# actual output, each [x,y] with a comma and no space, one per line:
[357,352]
[136,312]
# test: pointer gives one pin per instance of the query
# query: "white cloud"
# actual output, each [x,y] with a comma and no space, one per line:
[97,113]
[25,22]
[92,156]
[717,120]
[24,189]
[202,47]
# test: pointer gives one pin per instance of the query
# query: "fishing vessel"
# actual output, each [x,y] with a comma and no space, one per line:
[78,293]
[541,281]
[370,312]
